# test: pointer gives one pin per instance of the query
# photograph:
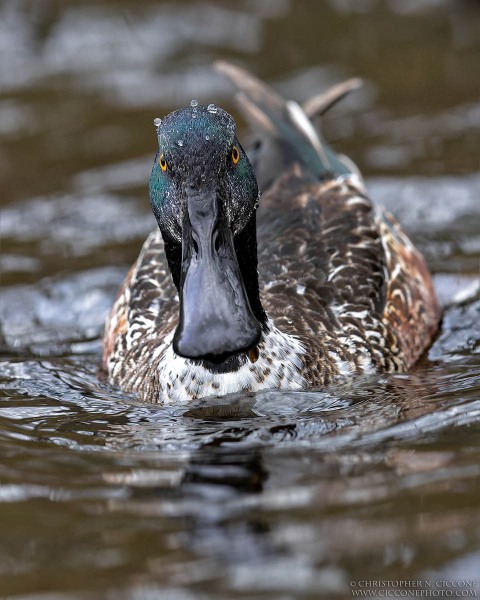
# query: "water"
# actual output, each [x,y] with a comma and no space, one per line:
[275,495]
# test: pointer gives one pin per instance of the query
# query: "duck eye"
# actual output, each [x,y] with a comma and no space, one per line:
[162,162]
[235,155]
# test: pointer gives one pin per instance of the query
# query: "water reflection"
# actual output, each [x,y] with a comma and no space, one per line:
[215,496]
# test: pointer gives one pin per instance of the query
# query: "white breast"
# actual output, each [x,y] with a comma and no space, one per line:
[278,366]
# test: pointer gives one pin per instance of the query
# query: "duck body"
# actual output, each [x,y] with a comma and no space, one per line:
[339,288]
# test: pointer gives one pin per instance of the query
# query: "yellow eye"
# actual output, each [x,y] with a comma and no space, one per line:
[162,162]
[235,155]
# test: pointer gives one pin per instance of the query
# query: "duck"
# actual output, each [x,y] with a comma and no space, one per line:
[271,269]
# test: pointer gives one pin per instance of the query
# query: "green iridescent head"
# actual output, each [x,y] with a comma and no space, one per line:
[204,194]
[198,149]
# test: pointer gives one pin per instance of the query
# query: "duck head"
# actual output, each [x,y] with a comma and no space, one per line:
[204,195]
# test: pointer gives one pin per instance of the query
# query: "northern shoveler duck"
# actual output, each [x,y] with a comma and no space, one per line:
[339,289]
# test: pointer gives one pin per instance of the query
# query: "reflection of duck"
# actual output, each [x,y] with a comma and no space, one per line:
[341,289]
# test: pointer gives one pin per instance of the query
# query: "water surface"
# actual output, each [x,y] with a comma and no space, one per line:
[275,495]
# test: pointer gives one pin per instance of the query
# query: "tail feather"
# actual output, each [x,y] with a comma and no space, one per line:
[319,104]
[289,123]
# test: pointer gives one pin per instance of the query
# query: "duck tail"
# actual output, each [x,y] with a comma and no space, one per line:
[290,123]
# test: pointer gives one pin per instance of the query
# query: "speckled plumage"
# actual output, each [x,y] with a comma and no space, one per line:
[344,290]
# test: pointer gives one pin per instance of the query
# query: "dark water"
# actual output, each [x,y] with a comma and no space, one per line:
[274,495]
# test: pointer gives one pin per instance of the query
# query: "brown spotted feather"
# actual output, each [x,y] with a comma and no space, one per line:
[336,273]
[411,307]
[323,270]
[145,311]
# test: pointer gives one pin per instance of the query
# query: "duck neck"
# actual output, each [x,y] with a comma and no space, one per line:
[246,251]
[173,252]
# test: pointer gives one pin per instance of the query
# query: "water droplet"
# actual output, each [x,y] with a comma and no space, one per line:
[180,143]
[157,122]
[212,108]
[207,137]
[300,289]
[194,103]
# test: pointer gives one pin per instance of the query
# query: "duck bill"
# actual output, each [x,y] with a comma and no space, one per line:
[216,319]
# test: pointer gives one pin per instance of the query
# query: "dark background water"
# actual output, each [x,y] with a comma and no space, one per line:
[273,495]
